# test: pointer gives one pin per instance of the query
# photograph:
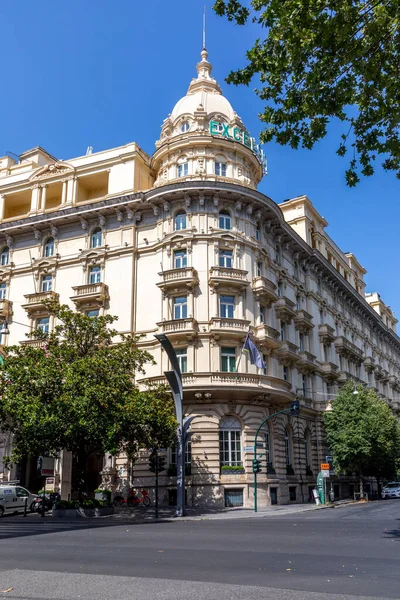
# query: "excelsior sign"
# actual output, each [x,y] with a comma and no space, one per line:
[237,135]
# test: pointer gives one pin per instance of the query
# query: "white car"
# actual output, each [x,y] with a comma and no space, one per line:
[391,490]
[13,499]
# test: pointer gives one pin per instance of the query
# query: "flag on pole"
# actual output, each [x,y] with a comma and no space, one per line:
[254,354]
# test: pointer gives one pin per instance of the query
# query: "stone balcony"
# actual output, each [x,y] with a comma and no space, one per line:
[394,382]
[264,290]
[303,321]
[90,295]
[385,376]
[6,309]
[378,373]
[224,278]
[347,376]
[186,329]
[208,387]
[326,333]
[346,348]
[33,343]
[267,336]
[306,362]
[369,364]
[329,371]
[36,303]
[285,309]
[287,353]
[220,326]
[174,280]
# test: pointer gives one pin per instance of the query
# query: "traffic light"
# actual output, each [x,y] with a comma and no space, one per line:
[295,407]
[156,461]
[256,465]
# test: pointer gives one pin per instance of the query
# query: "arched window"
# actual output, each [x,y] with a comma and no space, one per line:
[288,450]
[180,220]
[5,256]
[225,221]
[96,239]
[230,453]
[185,126]
[49,247]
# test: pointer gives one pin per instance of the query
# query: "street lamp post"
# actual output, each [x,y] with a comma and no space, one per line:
[174,378]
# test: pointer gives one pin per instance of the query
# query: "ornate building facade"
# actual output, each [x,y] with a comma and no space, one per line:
[182,243]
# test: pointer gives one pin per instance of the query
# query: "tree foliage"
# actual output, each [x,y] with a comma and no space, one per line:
[363,433]
[322,60]
[76,392]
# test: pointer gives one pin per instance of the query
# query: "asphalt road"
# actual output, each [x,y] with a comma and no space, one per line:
[346,553]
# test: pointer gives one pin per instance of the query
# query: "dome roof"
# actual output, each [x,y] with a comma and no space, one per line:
[204,95]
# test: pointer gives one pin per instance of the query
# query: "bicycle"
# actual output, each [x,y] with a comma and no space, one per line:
[135,497]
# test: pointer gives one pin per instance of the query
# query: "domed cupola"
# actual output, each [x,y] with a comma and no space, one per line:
[203,138]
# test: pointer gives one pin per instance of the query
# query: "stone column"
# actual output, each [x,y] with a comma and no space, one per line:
[64,192]
[43,197]
[35,198]
[2,205]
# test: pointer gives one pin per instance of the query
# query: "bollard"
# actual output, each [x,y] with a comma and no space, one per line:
[26,505]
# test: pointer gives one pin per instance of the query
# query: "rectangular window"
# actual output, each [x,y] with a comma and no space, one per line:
[228,360]
[298,303]
[181,354]
[262,314]
[180,307]
[225,258]
[301,342]
[292,494]
[286,373]
[265,359]
[43,325]
[94,275]
[220,169]
[259,269]
[47,282]
[93,313]
[258,234]
[279,290]
[180,259]
[326,353]
[321,317]
[227,307]
[188,455]
[304,385]
[183,169]
[229,448]
[283,331]
[3,291]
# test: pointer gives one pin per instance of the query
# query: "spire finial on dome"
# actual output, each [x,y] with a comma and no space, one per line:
[204,28]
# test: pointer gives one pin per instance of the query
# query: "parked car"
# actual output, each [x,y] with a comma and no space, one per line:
[391,490]
[13,498]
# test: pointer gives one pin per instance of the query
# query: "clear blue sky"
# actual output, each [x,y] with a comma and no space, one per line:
[101,73]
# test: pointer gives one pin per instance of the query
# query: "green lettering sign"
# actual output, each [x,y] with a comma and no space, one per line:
[214,127]
[237,134]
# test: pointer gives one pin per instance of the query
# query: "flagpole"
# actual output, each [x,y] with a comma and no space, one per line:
[240,357]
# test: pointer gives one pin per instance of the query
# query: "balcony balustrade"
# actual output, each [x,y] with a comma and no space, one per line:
[93,295]
[306,362]
[180,328]
[220,326]
[346,348]
[329,371]
[285,309]
[175,280]
[326,333]
[287,353]
[202,386]
[264,290]
[369,364]
[267,336]
[303,321]
[36,303]
[229,279]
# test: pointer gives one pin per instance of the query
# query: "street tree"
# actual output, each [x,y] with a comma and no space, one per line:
[325,60]
[363,434]
[75,390]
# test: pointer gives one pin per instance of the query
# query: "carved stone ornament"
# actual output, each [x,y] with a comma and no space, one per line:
[46,266]
[119,215]
[129,213]
[93,257]
[57,168]
[231,406]
[102,220]
[84,223]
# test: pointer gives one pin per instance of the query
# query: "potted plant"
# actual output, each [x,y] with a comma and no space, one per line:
[289,470]
[103,495]
[232,470]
